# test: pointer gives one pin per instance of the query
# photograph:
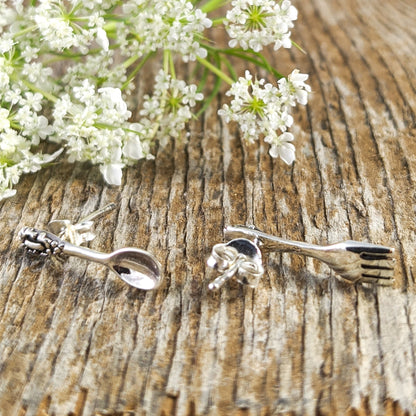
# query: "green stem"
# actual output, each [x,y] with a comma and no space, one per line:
[74,10]
[166,59]
[298,47]
[34,88]
[217,71]
[130,61]
[136,70]
[212,5]
[105,126]
[72,55]
[217,22]
[246,55]
[15,125]
[24,31]
[172,66]
[111,26]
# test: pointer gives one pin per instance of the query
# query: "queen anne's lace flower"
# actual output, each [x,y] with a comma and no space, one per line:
[94,125]
[175,25]
[281,146]
[61,30]
[253,24]
[294,89]
[261,108]
[170,105]
[104,44]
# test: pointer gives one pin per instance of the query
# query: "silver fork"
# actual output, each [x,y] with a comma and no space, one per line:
[354,261]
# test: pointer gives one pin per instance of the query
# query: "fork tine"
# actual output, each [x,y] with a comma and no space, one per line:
[375,256]
[370,249]
[383,264]
[378,281]
[378,273]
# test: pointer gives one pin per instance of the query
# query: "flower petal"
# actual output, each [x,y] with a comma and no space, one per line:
[112,173]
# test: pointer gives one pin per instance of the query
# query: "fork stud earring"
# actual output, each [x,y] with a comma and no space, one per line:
[353,261]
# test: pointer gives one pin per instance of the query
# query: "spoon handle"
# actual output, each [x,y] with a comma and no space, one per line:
[45,243]
[85,253]
[136,267]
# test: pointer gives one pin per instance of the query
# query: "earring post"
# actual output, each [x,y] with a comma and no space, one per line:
[99,212]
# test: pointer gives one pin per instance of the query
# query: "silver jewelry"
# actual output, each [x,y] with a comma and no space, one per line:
[79,233]
[134,266]
[239,257]
[353,261]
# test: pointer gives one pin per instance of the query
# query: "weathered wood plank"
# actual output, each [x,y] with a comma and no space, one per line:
[76,341]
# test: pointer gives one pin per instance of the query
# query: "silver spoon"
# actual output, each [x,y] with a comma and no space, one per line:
[136,267]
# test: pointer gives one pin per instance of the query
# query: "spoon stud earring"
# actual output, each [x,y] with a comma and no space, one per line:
[134,266]
[240,258]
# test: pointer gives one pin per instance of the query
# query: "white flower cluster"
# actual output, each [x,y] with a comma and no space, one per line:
[87,105]
[67,72]
[261,108]
[253,24]
[60,32]
[93,125]
[170,105]
[170,25]
[21,127]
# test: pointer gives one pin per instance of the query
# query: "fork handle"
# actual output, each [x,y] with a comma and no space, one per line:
[270,243]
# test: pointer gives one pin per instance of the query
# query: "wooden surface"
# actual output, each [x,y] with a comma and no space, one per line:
[74,340]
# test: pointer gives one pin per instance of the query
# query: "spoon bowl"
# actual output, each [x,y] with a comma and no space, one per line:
[136,267]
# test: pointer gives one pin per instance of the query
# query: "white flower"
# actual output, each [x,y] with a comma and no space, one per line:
[294,89]
[261,108]
[84,93]
[6,45]
[50,158]
[175,25]
[133,148]
[61,108]
[84,107]
[170,104]
[102,39]
[30,53]
[299,87]
[6,192]
[12,95]
[4,119]
[253,24]
[7,14]
[255,105]
[112,173]
[55,30]
[288,11]
[17,159]
[113,99]
[281,147]
[42,129]
[94,125]
[32,100]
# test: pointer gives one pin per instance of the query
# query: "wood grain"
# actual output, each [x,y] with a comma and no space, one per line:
[76,341]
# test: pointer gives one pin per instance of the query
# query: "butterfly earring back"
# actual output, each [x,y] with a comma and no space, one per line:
[241,258]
